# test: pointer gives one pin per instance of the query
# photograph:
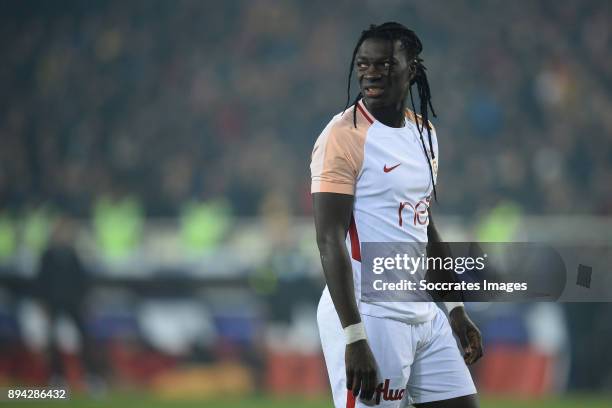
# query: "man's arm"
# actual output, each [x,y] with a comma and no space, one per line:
[436,248]
[332,217]
[332,213]
[463,327]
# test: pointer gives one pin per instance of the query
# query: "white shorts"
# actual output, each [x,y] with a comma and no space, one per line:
[417,363]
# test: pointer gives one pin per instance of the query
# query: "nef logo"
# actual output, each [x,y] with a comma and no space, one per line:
[420,215]
[383,392]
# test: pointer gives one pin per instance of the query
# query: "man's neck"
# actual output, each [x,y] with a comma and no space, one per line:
[389,116]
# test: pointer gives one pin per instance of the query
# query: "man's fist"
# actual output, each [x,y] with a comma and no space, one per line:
[468,333]
[361,373]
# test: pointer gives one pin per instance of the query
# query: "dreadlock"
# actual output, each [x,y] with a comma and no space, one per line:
[412,45]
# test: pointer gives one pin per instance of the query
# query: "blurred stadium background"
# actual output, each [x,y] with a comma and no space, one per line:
[168,143]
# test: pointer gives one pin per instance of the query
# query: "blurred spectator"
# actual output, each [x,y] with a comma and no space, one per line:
[37,225]
[63,285]
[8,237]
[203,224]
[118,223]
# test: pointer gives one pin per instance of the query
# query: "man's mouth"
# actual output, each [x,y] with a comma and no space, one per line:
[373,91]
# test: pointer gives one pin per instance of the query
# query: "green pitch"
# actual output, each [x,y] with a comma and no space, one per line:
[144,401]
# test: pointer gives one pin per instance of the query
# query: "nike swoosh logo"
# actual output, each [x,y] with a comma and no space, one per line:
[388,169]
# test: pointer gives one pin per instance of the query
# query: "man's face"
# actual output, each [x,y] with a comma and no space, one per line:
[384,80]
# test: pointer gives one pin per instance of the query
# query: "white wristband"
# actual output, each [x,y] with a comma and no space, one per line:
[451,305]
[354,332]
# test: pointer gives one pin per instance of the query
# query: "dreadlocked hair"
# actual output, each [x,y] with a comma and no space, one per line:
[412,46]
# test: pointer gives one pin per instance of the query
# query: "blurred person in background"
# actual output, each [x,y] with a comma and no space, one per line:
[62,285]
[368,160]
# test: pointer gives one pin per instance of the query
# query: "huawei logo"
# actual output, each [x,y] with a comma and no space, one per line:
[388,394]
[388,169]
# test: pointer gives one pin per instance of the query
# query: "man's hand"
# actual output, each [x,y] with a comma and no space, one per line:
[361,373]
[468,334]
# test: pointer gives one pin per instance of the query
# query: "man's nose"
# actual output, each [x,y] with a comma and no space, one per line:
[373,72]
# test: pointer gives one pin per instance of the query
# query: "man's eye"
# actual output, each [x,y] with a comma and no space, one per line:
[387,64]
[362,65]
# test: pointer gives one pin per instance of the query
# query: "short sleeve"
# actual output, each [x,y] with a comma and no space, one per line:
[337,158]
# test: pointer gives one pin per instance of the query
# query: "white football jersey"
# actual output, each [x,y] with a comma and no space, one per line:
[387,171]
